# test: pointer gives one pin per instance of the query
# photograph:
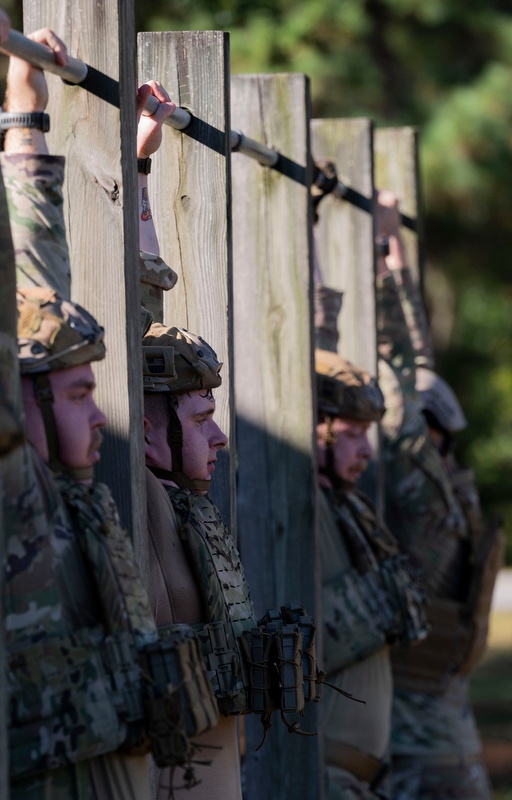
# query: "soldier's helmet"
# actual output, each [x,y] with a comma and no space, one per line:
[178,361]
[344,390]
[55,334]
[439,399]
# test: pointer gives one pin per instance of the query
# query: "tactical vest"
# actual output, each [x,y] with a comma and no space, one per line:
[378,594]
[216,564]
[459,628]
[77,696]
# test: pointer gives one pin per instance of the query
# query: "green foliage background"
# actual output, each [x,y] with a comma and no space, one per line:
[446,67]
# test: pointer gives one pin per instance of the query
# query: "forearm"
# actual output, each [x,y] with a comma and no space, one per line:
[148,240]
[25,140]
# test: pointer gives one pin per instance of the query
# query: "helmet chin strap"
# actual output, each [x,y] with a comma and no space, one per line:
[176,475]
[44,399]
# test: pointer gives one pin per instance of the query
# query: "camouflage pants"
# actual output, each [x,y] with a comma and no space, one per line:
[341,785]
[425,779]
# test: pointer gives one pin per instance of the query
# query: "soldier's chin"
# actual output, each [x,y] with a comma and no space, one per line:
[353,476]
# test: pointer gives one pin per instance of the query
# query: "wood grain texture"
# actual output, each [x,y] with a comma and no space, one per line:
[396,168]
[272,256]
[344,234]
[190,193]
[101,215]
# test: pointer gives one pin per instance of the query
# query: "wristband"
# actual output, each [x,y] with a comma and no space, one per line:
[144,166]
[382,245]
[25,119]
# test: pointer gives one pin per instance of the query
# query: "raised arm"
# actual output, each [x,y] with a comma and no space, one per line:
[156,276]
[403,334]
[33,178]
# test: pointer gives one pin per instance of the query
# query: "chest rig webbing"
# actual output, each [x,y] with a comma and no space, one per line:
[381,577]
[87,693]
[254,667]
[228,607]
[459,626]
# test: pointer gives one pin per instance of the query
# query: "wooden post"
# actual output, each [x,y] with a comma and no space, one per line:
[102,225]
[396,168]
[190,194]
[344,234]
[272,257]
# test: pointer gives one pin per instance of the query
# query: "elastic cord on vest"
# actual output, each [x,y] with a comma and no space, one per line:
[44,398]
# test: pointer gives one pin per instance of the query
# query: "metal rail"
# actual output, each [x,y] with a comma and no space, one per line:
[78,72]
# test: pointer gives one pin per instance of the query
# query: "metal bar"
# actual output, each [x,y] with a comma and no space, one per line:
[40,56]
[240,143]
[77,71]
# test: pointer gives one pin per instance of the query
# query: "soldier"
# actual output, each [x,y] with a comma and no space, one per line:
[182,444]
[196,574]
[433,509]
[87,671]
[369,597]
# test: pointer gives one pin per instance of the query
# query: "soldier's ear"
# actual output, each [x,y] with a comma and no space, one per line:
[148,429]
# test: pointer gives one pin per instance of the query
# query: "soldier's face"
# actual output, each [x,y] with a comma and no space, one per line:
[79,420]
[352,449]
[202,437]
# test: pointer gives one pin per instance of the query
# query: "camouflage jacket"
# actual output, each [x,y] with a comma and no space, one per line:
[216,564]
[74,674]
[371,598]
[34,193]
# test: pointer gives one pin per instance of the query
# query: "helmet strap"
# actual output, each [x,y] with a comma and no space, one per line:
[44,398]
[175,439]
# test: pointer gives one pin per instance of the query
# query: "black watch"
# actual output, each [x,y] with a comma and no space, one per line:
[22,119]
[144,166]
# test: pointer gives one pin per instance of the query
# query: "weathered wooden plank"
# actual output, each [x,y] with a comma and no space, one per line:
[396,168]
[344,234]
[272,255]
[190,193]
[101,216]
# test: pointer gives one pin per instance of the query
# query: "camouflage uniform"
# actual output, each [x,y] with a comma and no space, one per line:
[369,600]
[71,576]
[435,743]
[189,542]
[11,430]
[360,618]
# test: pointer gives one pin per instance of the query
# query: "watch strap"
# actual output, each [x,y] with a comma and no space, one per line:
[144,166]
[25,119]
